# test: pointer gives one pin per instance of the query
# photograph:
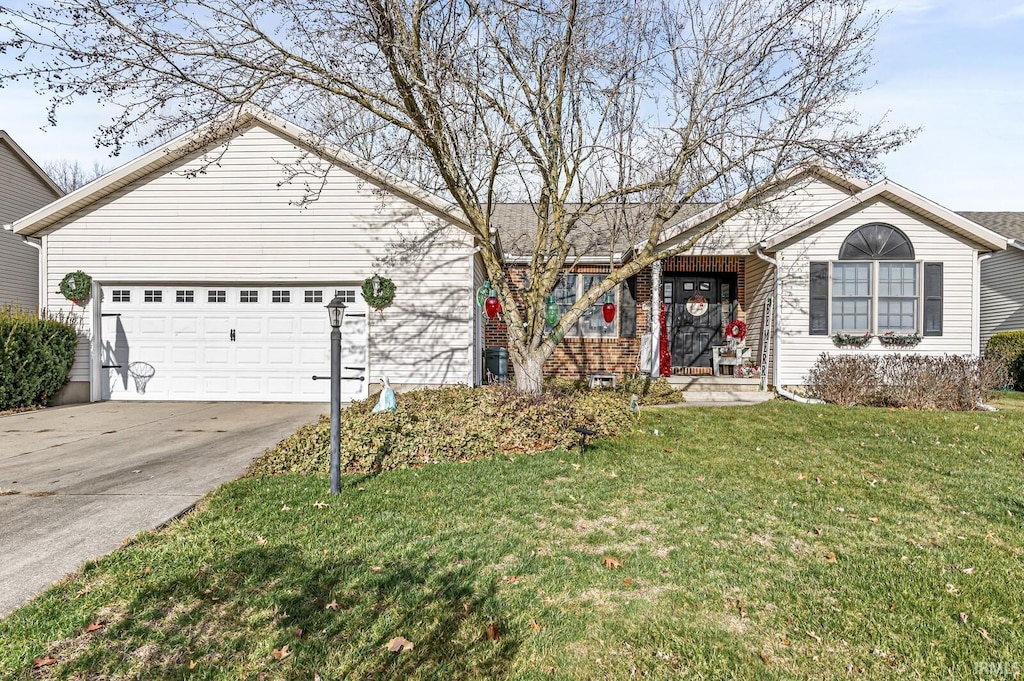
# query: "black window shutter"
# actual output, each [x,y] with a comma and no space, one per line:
[933,299]
[627,308]
[818,306]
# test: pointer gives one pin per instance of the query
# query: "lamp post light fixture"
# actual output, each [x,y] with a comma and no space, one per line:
[336,313]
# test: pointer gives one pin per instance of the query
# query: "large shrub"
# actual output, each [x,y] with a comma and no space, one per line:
[455,423]
[1008,347]
[951,382]
[36,355]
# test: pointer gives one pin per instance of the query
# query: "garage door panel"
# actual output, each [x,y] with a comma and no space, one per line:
[279,343]
[215,356]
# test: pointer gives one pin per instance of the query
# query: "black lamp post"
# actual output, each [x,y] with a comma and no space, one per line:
[336,312]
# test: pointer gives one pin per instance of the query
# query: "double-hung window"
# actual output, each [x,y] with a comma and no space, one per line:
[851,297]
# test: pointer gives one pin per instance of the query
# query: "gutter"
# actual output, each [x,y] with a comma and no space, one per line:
[776,307]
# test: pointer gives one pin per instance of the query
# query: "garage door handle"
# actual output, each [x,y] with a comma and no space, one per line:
[232,334]
[343,378]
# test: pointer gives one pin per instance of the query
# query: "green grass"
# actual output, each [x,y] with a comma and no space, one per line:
[778,541]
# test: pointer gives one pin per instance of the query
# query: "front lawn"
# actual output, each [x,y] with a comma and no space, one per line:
[775,541]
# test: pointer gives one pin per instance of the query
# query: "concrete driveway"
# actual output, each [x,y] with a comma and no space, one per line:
[76,481]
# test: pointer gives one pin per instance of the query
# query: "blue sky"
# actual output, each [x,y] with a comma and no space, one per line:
[955,68]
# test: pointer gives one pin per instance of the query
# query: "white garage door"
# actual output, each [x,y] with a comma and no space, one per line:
[212,342]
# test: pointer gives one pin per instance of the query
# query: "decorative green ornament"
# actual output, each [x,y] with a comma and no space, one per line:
[76,286]
[551,311]
[378,292]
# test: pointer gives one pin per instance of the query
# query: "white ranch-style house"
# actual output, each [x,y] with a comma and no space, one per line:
[211,269]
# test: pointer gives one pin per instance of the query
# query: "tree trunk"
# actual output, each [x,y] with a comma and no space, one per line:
[529,370]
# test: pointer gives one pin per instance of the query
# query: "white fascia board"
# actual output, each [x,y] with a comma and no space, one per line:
[887,189]
[510,259]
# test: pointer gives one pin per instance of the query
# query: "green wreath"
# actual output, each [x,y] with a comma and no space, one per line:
[385,295]
[76,286]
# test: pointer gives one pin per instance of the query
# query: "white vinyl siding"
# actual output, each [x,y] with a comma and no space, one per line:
[240,223]
[931,243]
[788,205]
[21,192]
[1002,293]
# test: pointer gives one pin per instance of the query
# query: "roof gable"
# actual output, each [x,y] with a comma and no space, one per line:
[886,189]
[204,138]
[784,178]
[32,166]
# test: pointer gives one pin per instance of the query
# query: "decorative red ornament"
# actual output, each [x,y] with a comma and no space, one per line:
[664,356]
[608,310]
[492,306]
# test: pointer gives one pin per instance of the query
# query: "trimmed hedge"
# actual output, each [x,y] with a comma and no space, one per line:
[450,424]
[36,355]
[1008,346]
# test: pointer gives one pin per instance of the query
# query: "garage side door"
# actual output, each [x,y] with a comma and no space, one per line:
[215,342]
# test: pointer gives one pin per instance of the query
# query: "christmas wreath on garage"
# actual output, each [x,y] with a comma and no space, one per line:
[76,287]
[378,292]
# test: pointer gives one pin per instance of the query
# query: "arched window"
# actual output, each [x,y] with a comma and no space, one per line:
[876,287]
[876,241]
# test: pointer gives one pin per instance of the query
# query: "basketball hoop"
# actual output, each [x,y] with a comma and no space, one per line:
[141,372]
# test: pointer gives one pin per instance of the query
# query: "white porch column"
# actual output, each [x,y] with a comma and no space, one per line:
[655,318]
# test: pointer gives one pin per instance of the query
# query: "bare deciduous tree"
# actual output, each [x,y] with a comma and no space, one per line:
[570,105]
[70,175]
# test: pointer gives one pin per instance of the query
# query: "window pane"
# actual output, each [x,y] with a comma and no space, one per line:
[593,323]
[897,314]
[897,279]
[249,296]
[565,297]
[314,296]
[215,296]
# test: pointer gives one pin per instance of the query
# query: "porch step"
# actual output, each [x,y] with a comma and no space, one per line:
[726,384]
[696,397]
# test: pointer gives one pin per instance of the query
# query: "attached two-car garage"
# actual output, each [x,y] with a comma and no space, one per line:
[256,342]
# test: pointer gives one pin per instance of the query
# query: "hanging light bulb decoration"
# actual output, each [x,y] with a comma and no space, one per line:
[492,306]
[481,293]
[551,311]
[608,309]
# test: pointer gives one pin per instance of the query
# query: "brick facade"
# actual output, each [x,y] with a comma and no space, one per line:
[577,357]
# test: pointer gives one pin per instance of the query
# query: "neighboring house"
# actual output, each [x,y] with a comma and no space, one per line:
[24,187]
[213,256]
[835,255]
[1002,276]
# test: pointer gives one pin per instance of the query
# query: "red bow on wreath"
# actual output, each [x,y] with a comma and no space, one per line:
[736,329]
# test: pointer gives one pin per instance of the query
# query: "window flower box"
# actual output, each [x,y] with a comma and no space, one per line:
[900,339]
[851,340]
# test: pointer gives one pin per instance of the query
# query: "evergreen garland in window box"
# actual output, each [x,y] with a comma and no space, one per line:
[901,339]
[851,340]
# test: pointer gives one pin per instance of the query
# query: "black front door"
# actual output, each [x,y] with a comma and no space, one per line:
[694,318]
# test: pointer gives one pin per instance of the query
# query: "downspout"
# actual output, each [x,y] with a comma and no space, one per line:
[41,283]
[776,346]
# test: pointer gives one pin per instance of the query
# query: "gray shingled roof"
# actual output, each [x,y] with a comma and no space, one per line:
[613,226]
[1009,224]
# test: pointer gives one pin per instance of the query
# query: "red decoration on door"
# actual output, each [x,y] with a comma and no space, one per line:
[664,356]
